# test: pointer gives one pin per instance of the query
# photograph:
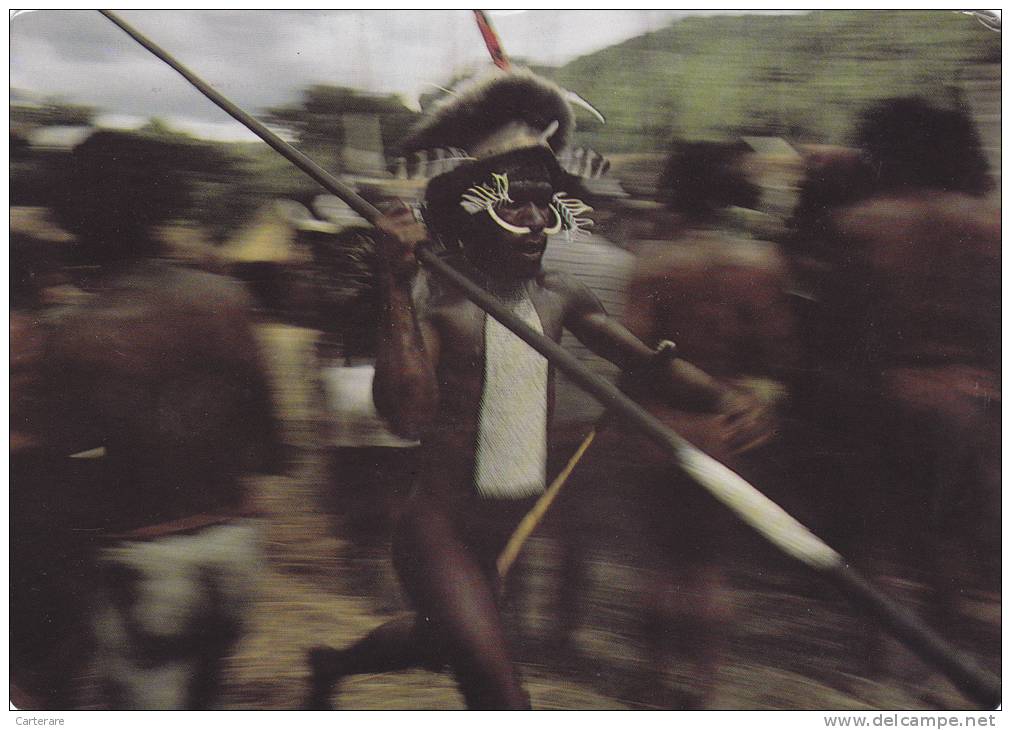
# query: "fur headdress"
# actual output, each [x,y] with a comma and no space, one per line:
[495,126]
[496,112]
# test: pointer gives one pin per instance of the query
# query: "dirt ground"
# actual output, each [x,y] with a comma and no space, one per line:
[795,642]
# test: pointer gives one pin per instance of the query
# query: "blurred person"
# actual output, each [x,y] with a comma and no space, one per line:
[903,345]
[48,578]
[371,469]
[708,284]
[477,397]
[582,522]
[153,404]
[720,296]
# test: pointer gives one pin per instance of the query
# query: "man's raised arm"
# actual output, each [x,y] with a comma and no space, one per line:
[405,389]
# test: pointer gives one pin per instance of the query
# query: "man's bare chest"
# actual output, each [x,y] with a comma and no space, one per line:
[461,366]
[461,325]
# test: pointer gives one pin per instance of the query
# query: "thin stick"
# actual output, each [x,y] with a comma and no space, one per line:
[533,518]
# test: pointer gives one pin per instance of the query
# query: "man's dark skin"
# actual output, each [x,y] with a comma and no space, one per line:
[428,383]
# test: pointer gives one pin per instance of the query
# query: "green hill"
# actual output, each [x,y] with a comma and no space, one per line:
[801,76]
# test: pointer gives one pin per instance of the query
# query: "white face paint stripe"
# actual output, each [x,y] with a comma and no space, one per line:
[484,197]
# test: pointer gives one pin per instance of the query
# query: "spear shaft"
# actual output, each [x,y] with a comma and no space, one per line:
[750,505]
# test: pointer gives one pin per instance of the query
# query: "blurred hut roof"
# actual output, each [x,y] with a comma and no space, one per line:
[771,146]
[189,244]
[35,223]
[335,211]
[411,190]
[271,235]
[58,136]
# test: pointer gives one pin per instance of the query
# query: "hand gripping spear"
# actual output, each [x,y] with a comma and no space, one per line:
[750,505]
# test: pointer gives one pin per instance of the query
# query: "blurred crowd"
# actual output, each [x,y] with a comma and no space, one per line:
[856,290]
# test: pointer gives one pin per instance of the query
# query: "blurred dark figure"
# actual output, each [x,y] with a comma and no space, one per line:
[151,404]
[700,180]
[48,576]
[719,296]
[902,257]
[371,468]
[710,287]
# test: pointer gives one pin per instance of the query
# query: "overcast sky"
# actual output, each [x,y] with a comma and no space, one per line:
[264,58]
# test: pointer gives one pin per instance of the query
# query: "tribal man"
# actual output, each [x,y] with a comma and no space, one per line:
[477,397]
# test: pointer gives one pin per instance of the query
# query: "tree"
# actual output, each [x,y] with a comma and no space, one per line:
[50,112]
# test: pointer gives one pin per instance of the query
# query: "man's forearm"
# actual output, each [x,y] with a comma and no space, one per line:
[692,389]
[405,390]
[648,374]
[676,382]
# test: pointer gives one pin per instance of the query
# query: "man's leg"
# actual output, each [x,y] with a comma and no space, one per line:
[399,644]
[457,623]
[686,605]
[452,589]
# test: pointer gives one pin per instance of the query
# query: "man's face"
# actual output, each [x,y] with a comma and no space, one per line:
[508,255]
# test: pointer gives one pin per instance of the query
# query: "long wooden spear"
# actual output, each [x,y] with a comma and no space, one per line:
[750,505]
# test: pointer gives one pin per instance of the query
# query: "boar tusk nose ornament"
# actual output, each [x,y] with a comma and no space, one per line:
[558,222]
[487,197]
[518,230]
[522,230]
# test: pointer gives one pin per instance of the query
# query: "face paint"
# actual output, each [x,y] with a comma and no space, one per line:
[484,196]
[567,212]
[570,216]
[509,243]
